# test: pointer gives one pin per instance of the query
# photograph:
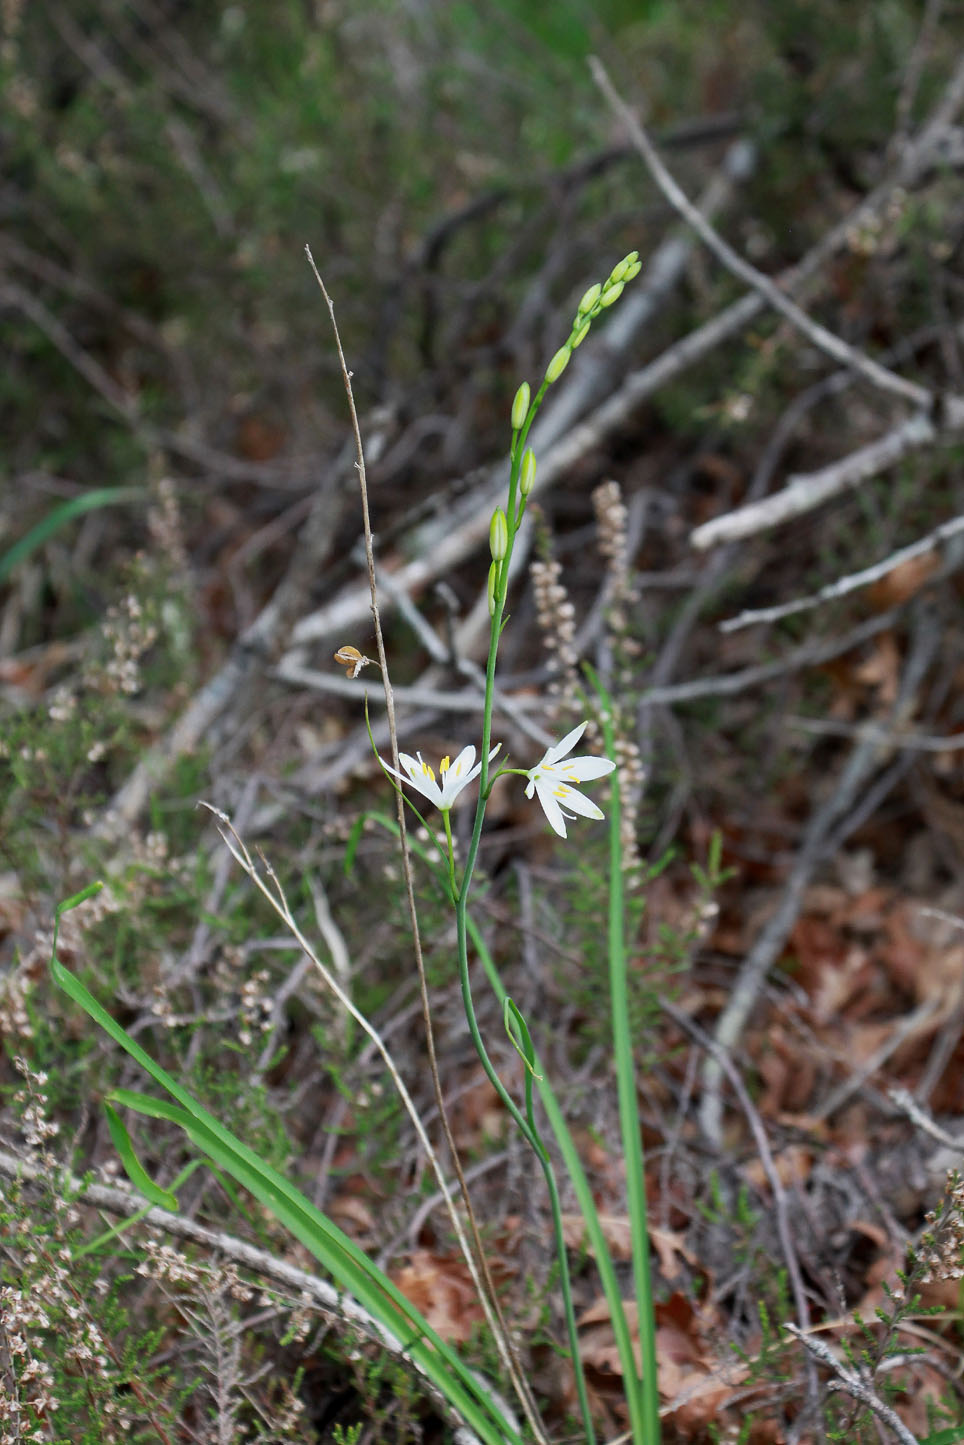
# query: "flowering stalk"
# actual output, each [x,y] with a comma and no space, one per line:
[552,780]
[502,542]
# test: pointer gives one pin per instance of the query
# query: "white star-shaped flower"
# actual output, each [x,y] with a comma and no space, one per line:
[454,776]
[552,780]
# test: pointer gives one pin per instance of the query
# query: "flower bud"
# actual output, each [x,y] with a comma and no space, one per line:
[612,293]
[589,300]
[520,406]
[618,273]
[633,271]
[528,473]
[558,364]
[493,579]
[498,535]
[581,334]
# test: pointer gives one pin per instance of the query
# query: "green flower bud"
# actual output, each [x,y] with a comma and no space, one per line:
[520,406]
[612,293]
[618,273]
[589,300]
[558,363]
[633,271]
[493,579]
[498,535]
[581,334]
[528,473]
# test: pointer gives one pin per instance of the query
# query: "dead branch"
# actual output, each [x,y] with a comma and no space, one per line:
[843,586]
[827,341]
[803,493]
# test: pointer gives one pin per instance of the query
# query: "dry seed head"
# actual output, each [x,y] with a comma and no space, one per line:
[351,660]
[557,621]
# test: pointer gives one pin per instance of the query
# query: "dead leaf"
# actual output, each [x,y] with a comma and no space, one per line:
[441,1287]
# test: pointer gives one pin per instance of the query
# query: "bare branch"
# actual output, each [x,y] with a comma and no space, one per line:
[879,376]
[845,585]
[851,1382]
[804,493]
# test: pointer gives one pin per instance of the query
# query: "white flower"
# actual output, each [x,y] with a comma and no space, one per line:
[455,776]
[551,782]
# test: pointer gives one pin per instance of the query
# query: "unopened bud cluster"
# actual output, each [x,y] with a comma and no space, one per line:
[597,299]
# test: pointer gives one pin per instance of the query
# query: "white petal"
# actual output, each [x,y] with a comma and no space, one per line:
[583,769]
[402,777]
[566,746]
[421,779]
[578,802]
[552,811]
[462,766]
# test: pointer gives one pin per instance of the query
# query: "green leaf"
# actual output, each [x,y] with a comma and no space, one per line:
[59,517]
[133,1167]
[349,1266]
[525,1049]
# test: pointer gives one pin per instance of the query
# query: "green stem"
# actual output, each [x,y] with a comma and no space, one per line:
[461,905]
[451,852]
[628,1101]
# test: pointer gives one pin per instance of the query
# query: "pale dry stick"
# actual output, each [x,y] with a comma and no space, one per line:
[729,684]
[851,1383]
[880,376]
[870,732]
[804,493]
[721,1058]
[125,1203]
[476,1260]
[843,586]
[905,1028]
[468,700]
[188,152]
[449,654]
[864,757]
[333,937]
[913,71]
[908,1105]
[275,897]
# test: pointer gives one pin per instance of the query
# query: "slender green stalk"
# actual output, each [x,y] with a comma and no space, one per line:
[628,1100]
[524,1126]
[632,1383]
